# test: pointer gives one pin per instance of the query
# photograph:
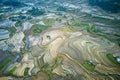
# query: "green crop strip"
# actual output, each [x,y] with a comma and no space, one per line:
[112,59]
[4,64]
[12,70]
[89,66]
[26,71]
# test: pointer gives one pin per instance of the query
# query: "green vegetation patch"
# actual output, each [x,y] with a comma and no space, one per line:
[2,39]
[26,71]
[92,29]
[17,24]
[59,19]
[67,29]
[76,23]
[24,39]
[48,71]
[12,31]
[118,41]
[48,21]
[4,64]
[12,70]
[84,26]
[38,29]
[22,50]
[89,66]
[34,21]
[79,23]
[112,59]
[89,27]
[117,34]
[48,36]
